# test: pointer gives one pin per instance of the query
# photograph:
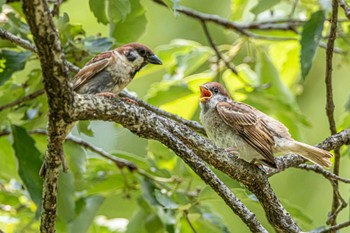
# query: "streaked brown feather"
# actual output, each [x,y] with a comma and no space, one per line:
[249,126]
[95,65]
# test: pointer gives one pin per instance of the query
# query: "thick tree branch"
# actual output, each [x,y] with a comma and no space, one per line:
[60,99]
[188,145]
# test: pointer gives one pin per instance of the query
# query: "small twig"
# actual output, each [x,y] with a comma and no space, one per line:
[336,227]
[23,99]
[336,207]
[213,45]
[320,170]
[345,7]
[189,221]
[341,203]
[293,8]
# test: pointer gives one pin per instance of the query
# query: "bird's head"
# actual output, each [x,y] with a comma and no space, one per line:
[139,55]
[211,94]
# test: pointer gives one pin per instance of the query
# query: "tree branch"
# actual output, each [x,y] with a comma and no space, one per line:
[23,99]
[60,101]
[188,145]
[345,7]
[336,205]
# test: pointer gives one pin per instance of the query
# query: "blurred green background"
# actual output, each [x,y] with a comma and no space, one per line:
[174,87]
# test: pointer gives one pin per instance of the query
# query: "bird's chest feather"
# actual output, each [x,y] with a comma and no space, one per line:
[218,131]
[225,136]
[122,72]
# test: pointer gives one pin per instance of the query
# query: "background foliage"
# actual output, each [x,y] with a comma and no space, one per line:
[280,71]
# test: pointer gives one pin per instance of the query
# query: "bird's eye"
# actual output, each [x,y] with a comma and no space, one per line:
[142,52]
[215,90]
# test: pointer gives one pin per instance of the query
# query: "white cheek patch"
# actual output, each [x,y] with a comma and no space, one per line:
[138,61]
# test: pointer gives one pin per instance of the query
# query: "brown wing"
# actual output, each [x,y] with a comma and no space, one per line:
[95,65]
[249,126]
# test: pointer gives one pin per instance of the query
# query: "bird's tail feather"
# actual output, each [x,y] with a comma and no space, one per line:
[314,154]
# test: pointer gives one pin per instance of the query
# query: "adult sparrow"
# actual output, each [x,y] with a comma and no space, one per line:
[109,72]
[242,129]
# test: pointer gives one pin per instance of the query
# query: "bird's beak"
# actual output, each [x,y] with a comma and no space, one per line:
[153,59]
[205,94]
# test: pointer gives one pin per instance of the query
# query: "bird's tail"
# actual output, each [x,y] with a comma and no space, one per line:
[314,154]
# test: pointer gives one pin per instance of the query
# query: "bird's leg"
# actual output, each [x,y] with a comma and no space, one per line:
[126,99]
[107,94]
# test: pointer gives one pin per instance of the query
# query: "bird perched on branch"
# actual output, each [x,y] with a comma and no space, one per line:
[107,74]
[110,72]
[251,134]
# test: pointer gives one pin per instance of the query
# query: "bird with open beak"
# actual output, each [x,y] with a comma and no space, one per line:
[110,72]
[249,133]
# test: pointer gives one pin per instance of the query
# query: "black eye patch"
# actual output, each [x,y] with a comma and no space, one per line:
[130,56]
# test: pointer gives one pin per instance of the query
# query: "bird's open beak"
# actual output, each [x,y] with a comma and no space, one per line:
[205,94]
[153,59]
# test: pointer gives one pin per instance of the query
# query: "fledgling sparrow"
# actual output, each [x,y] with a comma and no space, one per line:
[242,129]
[110,72]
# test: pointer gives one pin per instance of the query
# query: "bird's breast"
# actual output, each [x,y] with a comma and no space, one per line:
[225,136]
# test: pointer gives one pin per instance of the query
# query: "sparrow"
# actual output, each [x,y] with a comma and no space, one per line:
[110,72]
[248,132]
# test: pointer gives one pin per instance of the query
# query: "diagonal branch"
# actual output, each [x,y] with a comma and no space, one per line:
[345,7]
[188,145]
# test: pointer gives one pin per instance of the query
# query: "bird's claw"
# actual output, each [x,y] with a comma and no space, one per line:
[126,99]
[107,94]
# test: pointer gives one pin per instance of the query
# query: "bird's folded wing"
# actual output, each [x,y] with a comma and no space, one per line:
[249,126]
[95,65]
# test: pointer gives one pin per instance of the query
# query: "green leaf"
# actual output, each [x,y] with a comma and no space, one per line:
[238,8]
[153,223]
[98,8]
[76,158]
[165,201]
[87,209]
[29,163]
[97,45]
[84,128]
[310,38]
[172,5]
[8,165]
[347,104]
[118,10]
[131,26]
[2,2]
[10,62]
[136,223]
[68,31]
[263,5]
[65,197]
